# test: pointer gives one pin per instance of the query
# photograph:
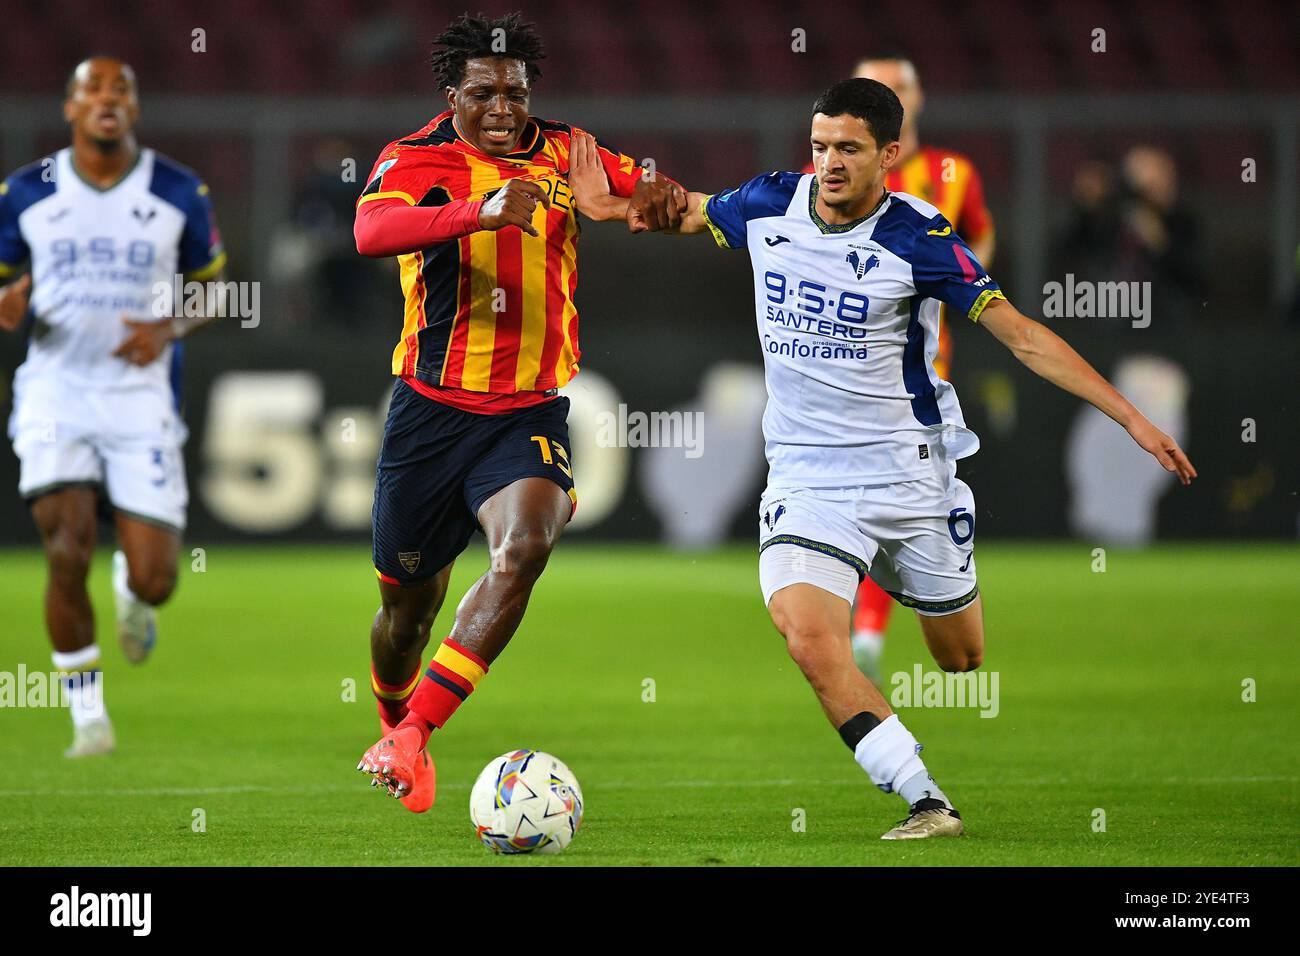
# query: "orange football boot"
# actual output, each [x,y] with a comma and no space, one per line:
[398,763]
[421,796]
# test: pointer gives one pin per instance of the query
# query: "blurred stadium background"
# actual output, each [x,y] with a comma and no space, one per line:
[287,105]
[1121,691]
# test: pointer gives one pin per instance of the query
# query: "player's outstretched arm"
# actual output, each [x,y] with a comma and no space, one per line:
[1047,354]
[656,204]
[693,219]
[589,182]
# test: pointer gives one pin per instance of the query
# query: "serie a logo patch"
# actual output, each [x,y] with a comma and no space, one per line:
[409,559]
[923,451]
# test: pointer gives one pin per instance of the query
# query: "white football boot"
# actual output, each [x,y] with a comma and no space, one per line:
[91,738]
[137,622]
[926,819]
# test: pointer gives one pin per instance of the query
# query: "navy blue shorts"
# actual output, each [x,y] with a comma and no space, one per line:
[438,465]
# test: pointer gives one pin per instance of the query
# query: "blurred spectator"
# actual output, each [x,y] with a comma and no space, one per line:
[315,254]
[1129,225]
[1087,245]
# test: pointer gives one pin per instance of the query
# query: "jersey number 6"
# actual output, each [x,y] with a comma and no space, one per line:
[955,517]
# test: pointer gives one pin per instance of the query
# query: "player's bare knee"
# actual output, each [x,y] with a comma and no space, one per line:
[523,553]
[806,641]
[806,650]
[958,661]
[153,585]
[68,552]
[404,631]
[782,619]
[405,624]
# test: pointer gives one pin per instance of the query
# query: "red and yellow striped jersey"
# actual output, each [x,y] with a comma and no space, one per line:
[949,182]
[492,312]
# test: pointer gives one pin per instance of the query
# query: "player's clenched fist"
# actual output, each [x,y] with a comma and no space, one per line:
[13,303]
[513,205]
[657,203]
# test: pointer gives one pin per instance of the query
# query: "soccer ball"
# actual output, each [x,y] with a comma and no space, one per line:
[526,801]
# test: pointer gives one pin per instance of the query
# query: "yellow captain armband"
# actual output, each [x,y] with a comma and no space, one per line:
[718,237]
[207,272]
[982,302]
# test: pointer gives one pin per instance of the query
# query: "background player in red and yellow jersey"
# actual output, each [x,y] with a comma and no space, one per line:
[477,206]
[949,181]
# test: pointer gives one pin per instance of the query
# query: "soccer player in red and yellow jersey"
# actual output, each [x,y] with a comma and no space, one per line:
[477,206]
[949,181]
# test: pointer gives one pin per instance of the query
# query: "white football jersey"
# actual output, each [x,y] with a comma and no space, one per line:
[96,256]
[848,319]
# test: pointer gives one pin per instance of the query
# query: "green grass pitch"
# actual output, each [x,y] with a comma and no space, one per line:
[1119,691]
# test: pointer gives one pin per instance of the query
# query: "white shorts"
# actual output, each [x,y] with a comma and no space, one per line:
[127,445]
[916,539]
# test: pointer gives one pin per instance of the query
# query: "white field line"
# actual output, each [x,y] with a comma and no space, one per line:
[623,785]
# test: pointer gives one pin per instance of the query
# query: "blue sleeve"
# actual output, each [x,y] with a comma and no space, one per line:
[13,247]
[727,213]
[944,268]
[201,254]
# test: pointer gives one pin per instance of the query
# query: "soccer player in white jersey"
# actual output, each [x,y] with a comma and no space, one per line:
[85,236]
[862,436]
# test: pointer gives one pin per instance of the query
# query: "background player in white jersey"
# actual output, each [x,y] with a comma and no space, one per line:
[862,435]
[95,417]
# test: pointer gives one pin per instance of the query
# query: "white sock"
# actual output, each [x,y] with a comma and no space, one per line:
[120,578]
[873,642]
[891,757]
[82,684]
[868,647]
[921,786]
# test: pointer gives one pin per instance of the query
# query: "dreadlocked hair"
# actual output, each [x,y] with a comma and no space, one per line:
[476,36]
